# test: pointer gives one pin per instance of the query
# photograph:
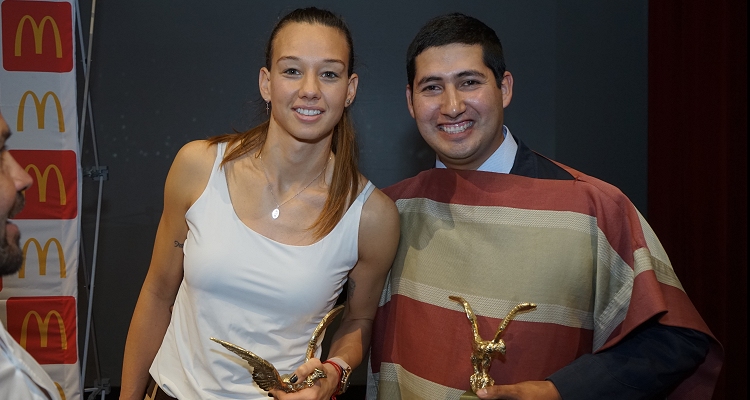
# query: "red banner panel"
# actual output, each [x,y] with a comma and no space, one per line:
[37,36]
[45,326]
[54,193]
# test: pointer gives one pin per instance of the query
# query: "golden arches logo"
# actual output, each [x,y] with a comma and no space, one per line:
[41,109]
[42,253]
[60,389]
[44,328]
[41,180]
[38,31]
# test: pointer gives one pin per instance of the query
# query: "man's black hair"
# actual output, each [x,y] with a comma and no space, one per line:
[457,28]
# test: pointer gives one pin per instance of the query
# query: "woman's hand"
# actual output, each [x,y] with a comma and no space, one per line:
[322,390]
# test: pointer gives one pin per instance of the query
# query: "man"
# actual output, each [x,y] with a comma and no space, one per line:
[498,225]
[21,377]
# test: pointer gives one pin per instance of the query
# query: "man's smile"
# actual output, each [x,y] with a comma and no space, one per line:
[457,127]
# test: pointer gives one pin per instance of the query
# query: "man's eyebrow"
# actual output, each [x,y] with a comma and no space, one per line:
[470,72]
[462,74]
[428,79]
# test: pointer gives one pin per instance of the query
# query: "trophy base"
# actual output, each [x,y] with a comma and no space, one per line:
[469,395]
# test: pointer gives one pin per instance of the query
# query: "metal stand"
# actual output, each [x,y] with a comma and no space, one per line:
[97,173]
[101,387]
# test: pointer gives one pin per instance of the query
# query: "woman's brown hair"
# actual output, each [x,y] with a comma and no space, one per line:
[344,185]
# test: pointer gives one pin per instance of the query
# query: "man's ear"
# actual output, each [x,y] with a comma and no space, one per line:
[264,84]
[409,100]
[506,86]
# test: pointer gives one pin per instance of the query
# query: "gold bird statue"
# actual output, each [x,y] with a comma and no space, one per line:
[265,374]
[484,350]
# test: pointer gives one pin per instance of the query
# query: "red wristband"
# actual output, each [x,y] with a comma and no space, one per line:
[339,371]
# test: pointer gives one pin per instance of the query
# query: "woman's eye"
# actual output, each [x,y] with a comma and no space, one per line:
[291,71]
[330,75]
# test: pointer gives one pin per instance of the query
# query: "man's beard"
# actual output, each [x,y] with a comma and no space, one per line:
[11,257]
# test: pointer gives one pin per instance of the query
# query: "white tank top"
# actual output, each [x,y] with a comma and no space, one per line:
[245,288]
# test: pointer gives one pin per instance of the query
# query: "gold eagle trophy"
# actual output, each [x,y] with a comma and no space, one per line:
[265,374]
[484,350]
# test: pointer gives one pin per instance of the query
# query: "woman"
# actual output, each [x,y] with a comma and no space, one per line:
[273,221]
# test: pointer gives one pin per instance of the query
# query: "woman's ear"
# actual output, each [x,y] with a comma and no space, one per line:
[264,84]
[351,91]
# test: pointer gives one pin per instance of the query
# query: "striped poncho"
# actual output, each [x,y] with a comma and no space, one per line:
[577,248]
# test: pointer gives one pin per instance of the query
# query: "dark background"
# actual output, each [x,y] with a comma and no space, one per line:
[168,72]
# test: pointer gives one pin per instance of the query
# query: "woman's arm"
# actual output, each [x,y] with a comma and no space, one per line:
[187,178]
[378,241]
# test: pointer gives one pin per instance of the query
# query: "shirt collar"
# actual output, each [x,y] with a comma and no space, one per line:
[501,161]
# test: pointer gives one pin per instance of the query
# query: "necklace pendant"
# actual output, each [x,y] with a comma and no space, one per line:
[275,213]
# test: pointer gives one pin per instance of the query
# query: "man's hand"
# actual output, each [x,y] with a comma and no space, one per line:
[323,388]
[542,390]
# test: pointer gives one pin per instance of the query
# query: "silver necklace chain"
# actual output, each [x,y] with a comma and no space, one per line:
[275,212]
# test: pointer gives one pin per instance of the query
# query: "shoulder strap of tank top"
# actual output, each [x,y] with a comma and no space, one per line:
[367,191]
[355,209]
[221,148]
[217,170]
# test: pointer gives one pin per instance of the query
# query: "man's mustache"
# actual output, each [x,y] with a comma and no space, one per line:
[17,205]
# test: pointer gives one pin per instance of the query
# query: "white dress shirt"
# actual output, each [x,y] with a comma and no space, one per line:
[21,377]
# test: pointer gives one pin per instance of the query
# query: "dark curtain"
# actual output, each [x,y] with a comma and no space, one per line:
[697,155]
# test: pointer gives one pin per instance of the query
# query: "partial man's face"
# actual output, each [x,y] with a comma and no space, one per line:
[458,105]
[13,181]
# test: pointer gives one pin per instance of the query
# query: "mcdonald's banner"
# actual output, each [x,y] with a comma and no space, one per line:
[45,326]
[37,36]
[40,107]
[44,116]
[53,195]
[50,261]
[38,96]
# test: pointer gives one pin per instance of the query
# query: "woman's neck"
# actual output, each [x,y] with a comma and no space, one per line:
[289,162]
